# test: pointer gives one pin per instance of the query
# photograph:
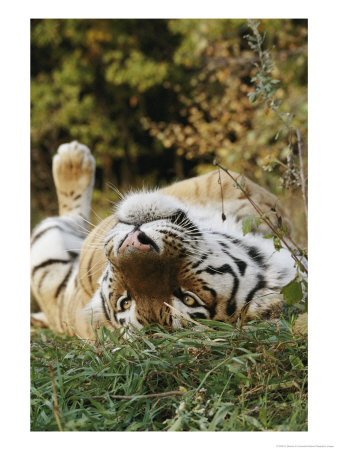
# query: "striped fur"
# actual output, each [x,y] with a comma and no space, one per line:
[197,265]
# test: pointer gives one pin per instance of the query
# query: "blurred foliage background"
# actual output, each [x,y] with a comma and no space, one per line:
[157,100]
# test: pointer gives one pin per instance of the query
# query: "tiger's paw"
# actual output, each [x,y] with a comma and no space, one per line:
[73,172]
[39,319]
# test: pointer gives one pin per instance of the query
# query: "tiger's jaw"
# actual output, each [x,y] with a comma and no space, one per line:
[146,276]
[145,261]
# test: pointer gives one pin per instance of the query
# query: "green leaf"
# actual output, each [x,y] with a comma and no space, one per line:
[247,225]
[296,362]
[253,96]
[262,416]
[277,243]
[292,292]
[253,421]
[257,221]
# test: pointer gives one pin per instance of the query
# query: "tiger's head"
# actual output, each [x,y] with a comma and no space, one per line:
[166,259]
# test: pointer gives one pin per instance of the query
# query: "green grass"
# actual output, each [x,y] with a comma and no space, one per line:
[224,379]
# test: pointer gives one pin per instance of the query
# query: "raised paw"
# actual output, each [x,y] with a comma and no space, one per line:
[73,172]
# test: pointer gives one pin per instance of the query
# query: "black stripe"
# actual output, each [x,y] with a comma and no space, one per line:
[231,303]
[41,280]
[141,318]
[68,230]
[61,301]
[223,244]
[228,237]
[63,323]
[260,285]
[242,265]
[179,293]
[253,252]
[226,268]
[84,287]
[165,315]
[181,219]
[197,315]
[198,263]
[103,301]
[48,262]
[89,270]
[170,234]
[72,254]
[37,236]
[105,276]
[212,291]
[63,283]
[71,227]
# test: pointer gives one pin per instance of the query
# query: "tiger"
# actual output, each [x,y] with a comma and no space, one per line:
[164,256]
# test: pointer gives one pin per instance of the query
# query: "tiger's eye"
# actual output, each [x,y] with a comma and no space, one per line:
[126,304]
[188,300]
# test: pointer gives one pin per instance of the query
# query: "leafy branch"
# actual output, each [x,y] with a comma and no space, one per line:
[297,289]
[266,87]
[279,232]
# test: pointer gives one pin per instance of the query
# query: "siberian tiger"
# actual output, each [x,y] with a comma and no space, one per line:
[162,253]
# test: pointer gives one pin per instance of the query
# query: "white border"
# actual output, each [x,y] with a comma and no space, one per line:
[15,202]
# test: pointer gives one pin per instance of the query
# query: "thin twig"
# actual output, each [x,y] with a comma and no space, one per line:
[264,218]
[55,399]
[300,153]
[221,187]
[301,167]
[131,397]
[225,61]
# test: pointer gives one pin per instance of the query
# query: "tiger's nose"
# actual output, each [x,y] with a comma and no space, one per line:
[137,240]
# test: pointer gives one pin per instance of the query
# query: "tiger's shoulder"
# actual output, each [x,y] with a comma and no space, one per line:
[217,187]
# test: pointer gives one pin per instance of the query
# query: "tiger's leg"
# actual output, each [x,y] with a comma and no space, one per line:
[56,242]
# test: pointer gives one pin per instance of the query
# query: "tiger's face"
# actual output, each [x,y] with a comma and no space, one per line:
[164,259]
